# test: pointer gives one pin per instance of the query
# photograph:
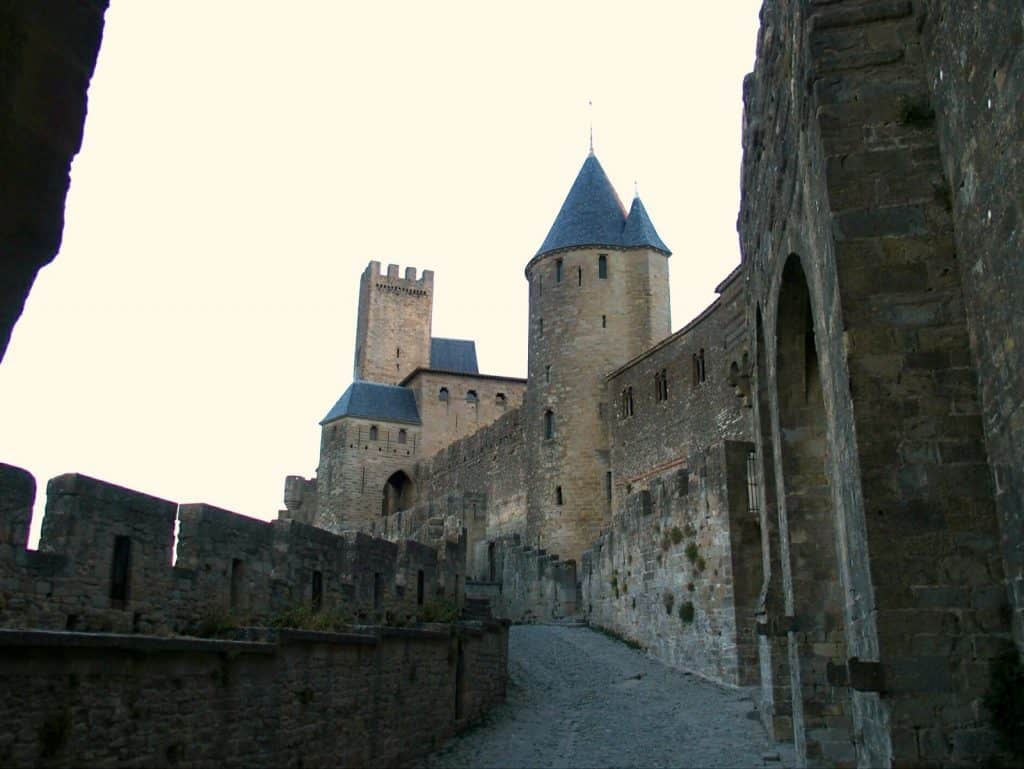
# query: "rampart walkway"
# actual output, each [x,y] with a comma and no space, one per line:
[579,699]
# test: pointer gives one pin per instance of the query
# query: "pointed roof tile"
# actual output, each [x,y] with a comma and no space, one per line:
[593,215]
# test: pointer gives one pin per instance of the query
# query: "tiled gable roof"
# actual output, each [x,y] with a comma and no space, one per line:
[371,400]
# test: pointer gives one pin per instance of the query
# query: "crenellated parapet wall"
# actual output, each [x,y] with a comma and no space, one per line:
[104,563]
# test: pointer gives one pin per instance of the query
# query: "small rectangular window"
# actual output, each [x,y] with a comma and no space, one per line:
[540,327]
[318,590]
[120,571]
[604,321]
[602,266]
[579,276]
[558,271]
[608,485]
[558,495]
[237,597]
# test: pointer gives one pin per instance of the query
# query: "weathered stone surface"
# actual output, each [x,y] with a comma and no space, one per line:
[74,699]
[47,54]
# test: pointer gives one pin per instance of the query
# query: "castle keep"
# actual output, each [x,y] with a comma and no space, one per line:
[813,489]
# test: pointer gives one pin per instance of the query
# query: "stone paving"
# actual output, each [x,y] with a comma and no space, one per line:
[577,698]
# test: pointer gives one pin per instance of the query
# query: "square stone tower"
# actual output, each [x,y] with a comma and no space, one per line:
[394,322]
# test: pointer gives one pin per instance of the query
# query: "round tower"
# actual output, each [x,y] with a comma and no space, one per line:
[599,296]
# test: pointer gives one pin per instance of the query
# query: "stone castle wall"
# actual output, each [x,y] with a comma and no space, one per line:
[447,419]
[679,569]
[393,323]
[286,698]
[477,484]
[226,563]
[886,597]
[975,71]
[355,467]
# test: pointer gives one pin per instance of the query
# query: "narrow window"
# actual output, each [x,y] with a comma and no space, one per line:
[403,436]
[120,571]
[549,424]
[318,590]
[500,400]
[558,271]
[237,597]
[558,495]
[419,588]
[579,276]
[547,374]
[442,394]
[629,400]
[703,372]
[540,327]
[664,384]
[373,433]
[471,397]
[602,266]
[604,321]
[657,386]
[608,485]
[752,485]
[398,352]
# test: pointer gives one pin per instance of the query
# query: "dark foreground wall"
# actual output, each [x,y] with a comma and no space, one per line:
[297,699]
[48,50]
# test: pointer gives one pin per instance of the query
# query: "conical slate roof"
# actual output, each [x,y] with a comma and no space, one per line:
[593,215]
[639,231]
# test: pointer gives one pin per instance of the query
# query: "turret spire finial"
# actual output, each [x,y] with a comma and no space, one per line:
[590,106]
[636,189]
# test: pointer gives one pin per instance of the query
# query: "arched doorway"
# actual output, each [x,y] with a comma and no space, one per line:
[777,707]
[816,632]
[399,493]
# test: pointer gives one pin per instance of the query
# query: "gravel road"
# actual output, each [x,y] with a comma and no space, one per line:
[579,699]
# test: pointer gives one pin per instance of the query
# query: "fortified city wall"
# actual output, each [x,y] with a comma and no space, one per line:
[127,678]
[678,571]
[377,697]
[876,258]
[94,531]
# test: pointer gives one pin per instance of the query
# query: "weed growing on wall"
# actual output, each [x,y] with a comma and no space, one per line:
[439,610]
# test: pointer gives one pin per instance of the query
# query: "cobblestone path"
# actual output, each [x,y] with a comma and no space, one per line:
[579,699]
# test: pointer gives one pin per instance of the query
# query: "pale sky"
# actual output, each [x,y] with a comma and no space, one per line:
[244,160]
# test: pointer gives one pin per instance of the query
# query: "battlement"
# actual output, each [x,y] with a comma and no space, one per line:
[105,564]
[390,276]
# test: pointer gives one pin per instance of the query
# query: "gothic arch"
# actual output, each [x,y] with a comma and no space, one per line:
[816,625]
[399,493]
